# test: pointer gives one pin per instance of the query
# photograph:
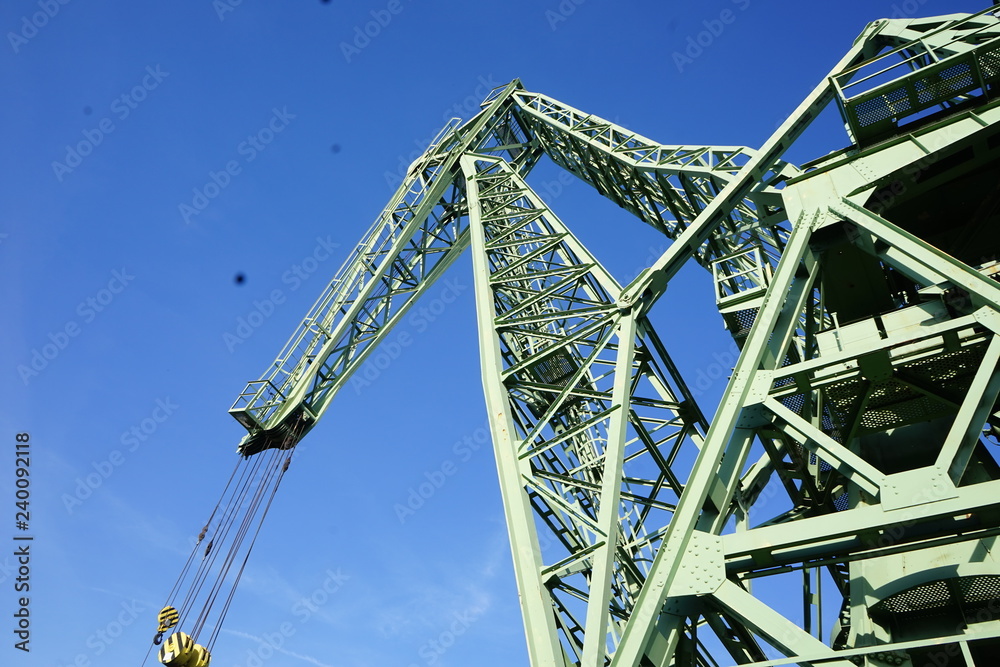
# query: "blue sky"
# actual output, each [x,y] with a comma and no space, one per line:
[119,257]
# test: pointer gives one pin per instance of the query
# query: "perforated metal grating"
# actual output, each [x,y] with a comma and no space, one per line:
[933,595]
[985,588]
[554,369]
[885,106]
[947,83]
[795,402]
[841,502]
[740,322]
[893,403]
[964,595]
[844,397]
[989,63]
[949,370]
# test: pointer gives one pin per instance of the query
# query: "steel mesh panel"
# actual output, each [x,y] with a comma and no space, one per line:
[934,598]
[794,402]
[883,107]
[828,425]
[949,370]
[783,382]
[989,63]
[893,403]
[841,502]
[944,84]
[740,322]
[933,595]
[553,369]
[843,399]
[985,588]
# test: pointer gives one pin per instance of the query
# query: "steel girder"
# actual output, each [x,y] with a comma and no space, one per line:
[421,232]
[588,412]
[636,530]
[787,334]
[413,241]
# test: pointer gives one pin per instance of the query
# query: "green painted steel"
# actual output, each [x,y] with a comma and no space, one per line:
[862,291]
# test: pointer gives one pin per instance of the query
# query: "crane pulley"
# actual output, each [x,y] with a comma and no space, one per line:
[180,651]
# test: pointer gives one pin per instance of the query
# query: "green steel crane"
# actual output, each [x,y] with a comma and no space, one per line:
[862,291]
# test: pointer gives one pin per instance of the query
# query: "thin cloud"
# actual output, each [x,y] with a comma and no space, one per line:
[290,654]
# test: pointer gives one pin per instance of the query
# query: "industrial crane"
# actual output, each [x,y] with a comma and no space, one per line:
[861,290]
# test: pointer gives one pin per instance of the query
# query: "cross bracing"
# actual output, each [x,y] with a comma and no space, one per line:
[860,289]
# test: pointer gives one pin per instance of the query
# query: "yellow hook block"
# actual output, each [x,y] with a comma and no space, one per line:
[180,651]
[167,618]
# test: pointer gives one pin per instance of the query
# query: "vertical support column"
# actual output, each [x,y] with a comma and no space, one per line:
[726,435]
[598,604]
[536,608]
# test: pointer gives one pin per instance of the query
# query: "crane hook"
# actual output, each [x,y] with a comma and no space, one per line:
[167,618]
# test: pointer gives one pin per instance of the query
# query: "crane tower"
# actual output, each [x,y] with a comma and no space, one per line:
[861,289]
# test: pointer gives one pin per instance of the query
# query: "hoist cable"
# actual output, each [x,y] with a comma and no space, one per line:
[253,541]
[231,510]
[148,651]
[288,445]
[187,565]
[235,546]
[221,535]
[244,504]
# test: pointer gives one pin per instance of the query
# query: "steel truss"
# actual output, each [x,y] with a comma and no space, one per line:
[643,533]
